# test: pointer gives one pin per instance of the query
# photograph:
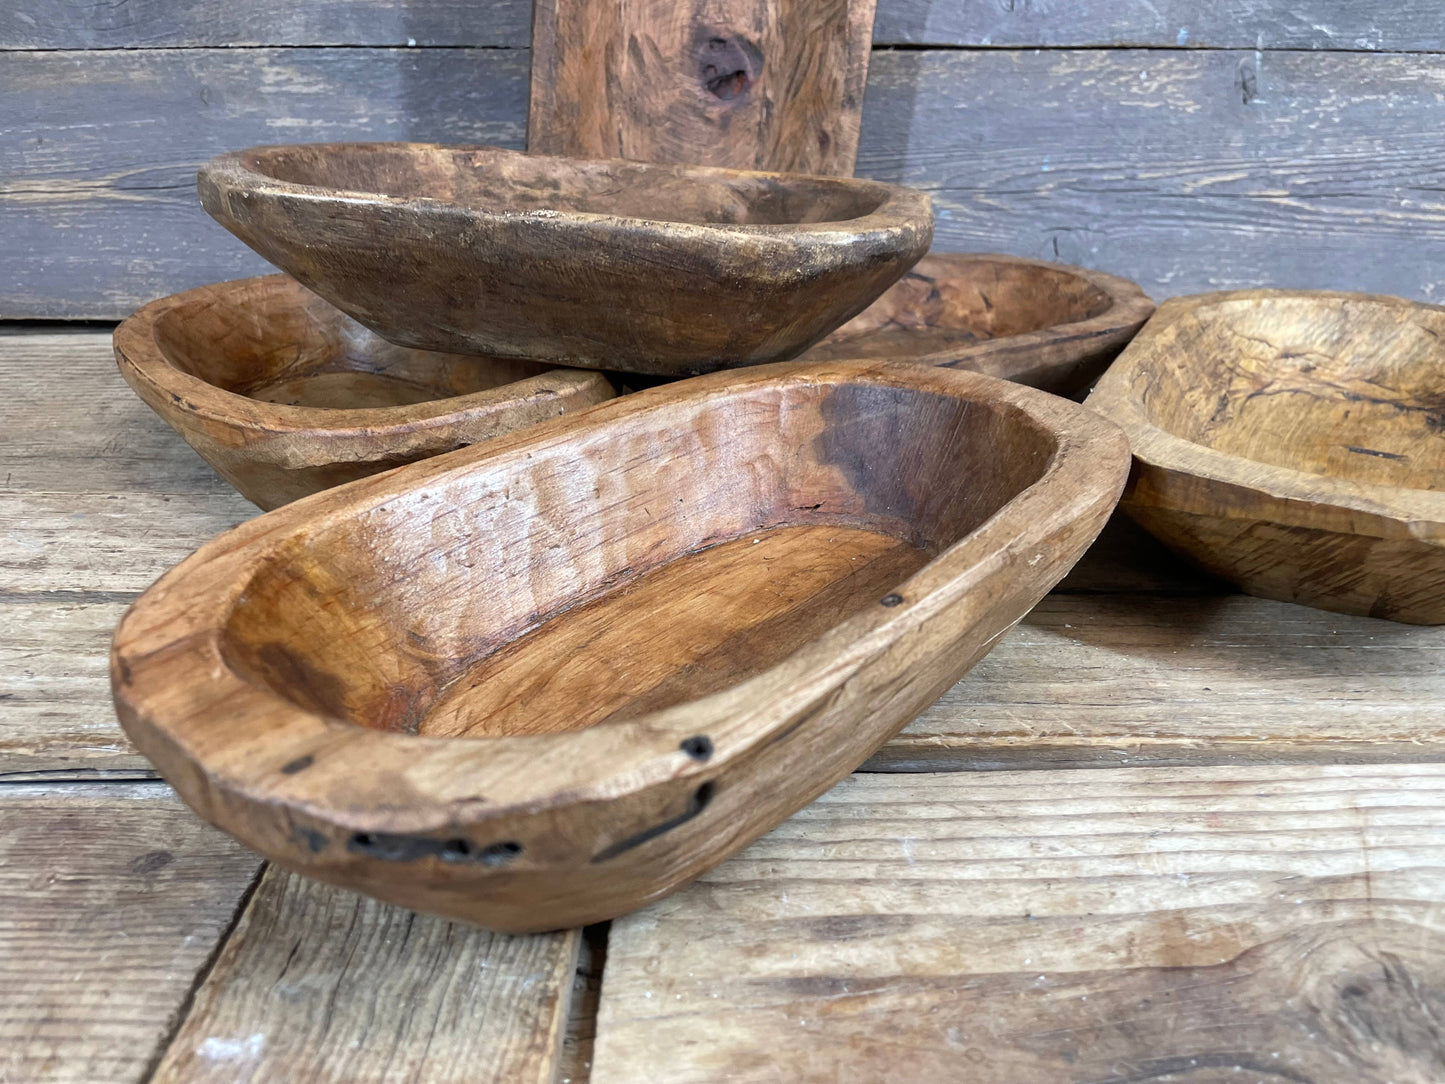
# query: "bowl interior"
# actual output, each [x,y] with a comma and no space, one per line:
[633,565]
[488,179]
[282,344]
[949,301]
[1349,387]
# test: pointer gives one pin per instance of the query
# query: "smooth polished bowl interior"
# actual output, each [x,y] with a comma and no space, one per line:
[1294,442]
[668,270]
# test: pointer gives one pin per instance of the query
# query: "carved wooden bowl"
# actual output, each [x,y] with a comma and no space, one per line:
[669,270]
[545,680]
[1294,443]
[1043,324]
[285,396]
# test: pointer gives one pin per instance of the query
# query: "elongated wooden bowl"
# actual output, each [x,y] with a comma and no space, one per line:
[669,270]
[1292,443]
[1043,324]
[545,680]
[286,396]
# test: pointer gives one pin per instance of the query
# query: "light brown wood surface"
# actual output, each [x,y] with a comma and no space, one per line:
[1290,443]
[668,270]
[285,396]
[747,84]
[93,514]
[1201,926]
[282,678]
[319,984]
[112,899]
[1041,324]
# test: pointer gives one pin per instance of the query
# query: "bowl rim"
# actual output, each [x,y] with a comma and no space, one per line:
[1128,308]
[203,704]
[150,368]
[901,208]
[1292,496]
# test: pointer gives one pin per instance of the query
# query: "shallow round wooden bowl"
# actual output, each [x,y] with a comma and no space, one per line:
[545,680]
[1294,443]
[669,270]
[1043,324]
[285,396]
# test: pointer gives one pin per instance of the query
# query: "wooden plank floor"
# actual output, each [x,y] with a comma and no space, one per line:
[1251,891]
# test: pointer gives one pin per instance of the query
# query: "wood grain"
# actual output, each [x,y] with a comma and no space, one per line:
[1148,163]
[112,899]
[99,188]
[237,673]
[322,985]
[1183,170]
[1370,25]
[1264,924]
[670,270]
[1290,443]
[746,84]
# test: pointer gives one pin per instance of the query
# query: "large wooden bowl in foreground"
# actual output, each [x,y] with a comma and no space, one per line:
[542,681]
[1043,324]
[1294,443]
[669,270]
[286,396]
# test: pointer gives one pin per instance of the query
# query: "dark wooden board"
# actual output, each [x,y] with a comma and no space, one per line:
[1145,162]
[1184,170]
[1308,24]
[1407,25]
[98,201]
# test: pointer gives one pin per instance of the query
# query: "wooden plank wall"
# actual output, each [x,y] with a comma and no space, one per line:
[1191,146]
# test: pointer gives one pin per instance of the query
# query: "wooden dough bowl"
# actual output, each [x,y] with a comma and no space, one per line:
[545,680]
[668,270]
[1294,443]
[285,396]
[1042,324]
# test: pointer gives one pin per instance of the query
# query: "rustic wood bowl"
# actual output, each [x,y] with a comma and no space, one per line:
[1043,324]
[542,681]
[285,396]
[670,270]
[1292,443]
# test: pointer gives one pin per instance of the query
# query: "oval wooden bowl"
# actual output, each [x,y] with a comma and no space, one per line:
[285,396]
[1292,443]
[1043,324]
[669,270]
[542,681]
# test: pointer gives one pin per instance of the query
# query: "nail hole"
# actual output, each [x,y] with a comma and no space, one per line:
[699,747]
[892,600]
[499,854]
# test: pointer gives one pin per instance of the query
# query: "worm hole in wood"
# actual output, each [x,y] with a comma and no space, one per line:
[698,747]
[891,600]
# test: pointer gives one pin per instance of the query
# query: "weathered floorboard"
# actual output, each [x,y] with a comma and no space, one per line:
[319,984]
[1184,170]
[1261,924]
[98,192]
[1135,660]
[112,899]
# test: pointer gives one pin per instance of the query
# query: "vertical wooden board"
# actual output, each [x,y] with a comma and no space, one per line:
[1186,170]
[98,196]
[319,984]
[138,24]
[112,899]
[1205,925]
[1353,25]
[747,84]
